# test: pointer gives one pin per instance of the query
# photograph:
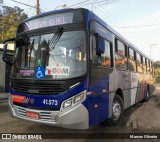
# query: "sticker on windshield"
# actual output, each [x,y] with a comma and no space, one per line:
[26,73]
[57,70]
[40,72]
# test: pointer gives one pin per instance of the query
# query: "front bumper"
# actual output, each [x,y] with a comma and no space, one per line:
[75,118]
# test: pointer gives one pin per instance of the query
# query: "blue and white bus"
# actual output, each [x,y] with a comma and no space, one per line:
[72,70]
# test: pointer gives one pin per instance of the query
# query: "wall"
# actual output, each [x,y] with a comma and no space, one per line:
[5,71]
[2,74]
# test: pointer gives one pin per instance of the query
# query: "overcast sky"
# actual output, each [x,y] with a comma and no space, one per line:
[137,20]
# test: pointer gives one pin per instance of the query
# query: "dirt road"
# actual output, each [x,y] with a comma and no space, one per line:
[148,114]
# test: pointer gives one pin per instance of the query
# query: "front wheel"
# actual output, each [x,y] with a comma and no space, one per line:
[117,111]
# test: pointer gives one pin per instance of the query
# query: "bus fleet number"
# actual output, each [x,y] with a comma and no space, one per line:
[50,102]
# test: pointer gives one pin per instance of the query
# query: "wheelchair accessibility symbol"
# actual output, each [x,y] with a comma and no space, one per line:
[40,72]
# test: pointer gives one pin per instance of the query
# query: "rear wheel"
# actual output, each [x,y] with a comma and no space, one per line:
[147,95]
[117,111]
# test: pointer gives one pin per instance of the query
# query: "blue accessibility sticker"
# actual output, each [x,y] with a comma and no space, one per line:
[40,72]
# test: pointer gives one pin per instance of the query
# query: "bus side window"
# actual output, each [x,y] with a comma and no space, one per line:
[100,51]
[147,62]
[120,56]
[106,56]
[151,68]
[139,63]
[131,60]
[144,65]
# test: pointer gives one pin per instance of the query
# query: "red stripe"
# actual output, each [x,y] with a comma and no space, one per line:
[17,98]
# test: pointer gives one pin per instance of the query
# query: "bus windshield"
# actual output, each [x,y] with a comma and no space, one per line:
[66,59]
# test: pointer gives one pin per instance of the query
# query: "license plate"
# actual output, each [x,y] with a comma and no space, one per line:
[32,114]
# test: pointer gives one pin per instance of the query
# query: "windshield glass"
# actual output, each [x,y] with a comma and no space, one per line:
[43,58]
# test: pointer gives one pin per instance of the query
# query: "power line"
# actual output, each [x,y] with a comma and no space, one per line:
[107,2]
[102,12]
[78,3]
[23,3]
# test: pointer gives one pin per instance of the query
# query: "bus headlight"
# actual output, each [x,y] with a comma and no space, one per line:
[78,98]
[73,101]
[67,103]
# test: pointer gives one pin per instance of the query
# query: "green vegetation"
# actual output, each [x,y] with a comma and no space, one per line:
[9,20]
[157,71]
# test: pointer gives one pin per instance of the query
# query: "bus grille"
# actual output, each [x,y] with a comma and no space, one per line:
[44,115]
[29,88]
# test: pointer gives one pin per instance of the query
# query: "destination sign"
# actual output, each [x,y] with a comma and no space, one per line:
[51,20]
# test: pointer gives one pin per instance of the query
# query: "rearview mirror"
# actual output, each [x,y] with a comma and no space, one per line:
[4,57]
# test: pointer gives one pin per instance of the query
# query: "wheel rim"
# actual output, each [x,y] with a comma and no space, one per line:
[116,110]
[147,94]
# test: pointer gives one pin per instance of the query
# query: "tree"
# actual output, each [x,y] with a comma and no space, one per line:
[9,21]
[156,64]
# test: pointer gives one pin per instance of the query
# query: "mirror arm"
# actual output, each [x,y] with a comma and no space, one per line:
[10,39]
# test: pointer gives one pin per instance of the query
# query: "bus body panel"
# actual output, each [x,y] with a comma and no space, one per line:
[76,118]
[97,102]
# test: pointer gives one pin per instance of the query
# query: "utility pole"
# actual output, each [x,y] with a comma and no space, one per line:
[37,7]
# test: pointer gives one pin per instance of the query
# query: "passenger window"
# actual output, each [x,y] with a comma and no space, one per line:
[120,56]
[150,69]
[139,63]
[144,65]
[105,58]
[131,60]
[147,62]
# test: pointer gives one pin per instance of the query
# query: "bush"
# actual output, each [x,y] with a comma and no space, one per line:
[157,79]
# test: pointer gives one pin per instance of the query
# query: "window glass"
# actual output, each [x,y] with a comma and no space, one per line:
[131,60]
[139,63]
[144,65]
[131,54]
[106,57]
[66,58]
[120,48]
[147,63]
[148,66]
[120,58]
[29,54]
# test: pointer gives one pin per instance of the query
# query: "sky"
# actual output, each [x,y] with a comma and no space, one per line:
[136,20]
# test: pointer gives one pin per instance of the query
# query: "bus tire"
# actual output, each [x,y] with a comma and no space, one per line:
[147,94]
[117,111]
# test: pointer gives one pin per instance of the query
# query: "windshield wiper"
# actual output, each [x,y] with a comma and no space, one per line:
[31,52]
[26,39]
[54,40]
